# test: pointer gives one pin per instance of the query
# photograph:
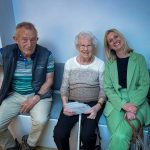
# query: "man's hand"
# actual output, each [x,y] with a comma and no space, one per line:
[29,104]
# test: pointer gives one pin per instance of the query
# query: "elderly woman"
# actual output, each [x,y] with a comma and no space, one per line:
[82,82]
[126,83]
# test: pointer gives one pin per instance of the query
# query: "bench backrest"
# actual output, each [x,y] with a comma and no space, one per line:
[58,74]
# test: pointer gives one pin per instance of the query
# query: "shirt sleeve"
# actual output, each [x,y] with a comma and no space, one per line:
[113,97]
[101,77]
[65,81]
[50,65]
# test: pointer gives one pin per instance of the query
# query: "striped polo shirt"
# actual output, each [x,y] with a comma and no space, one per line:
[22,79]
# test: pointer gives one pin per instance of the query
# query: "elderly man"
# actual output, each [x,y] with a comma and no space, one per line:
[28,76]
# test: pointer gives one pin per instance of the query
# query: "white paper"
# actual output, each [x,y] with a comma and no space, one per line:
[77,107]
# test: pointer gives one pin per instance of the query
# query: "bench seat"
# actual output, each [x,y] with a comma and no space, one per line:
[22,124]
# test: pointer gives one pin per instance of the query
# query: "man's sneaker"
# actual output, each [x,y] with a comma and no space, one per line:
[25,145]
[17,146]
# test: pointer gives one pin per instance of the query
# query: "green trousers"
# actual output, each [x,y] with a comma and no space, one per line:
[121,132]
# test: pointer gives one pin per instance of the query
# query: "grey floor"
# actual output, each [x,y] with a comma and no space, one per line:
[39,148]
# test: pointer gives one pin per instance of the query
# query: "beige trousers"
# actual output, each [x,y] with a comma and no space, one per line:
[10,108]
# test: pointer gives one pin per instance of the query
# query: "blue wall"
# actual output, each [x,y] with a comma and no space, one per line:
[58,21]
[7,21]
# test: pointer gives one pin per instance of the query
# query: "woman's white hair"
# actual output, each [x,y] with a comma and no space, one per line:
[85,34]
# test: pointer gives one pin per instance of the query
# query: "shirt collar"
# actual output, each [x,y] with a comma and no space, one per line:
[22,58]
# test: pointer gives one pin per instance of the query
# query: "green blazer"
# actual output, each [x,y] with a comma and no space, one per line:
[137,87]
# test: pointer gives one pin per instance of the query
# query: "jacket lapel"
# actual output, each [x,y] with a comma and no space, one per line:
[114,75]
[131,69]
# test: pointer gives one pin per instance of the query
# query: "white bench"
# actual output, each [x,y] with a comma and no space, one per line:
[22,124]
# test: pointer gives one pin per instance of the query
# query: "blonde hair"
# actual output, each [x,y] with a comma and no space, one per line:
[85,34]
[110,54]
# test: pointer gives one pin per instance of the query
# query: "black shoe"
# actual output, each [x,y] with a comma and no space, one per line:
[17,146]
[97,147]
[25,145]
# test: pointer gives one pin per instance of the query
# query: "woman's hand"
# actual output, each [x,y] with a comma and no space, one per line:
[93,111]
[128,107]
[130,115]
[68,112]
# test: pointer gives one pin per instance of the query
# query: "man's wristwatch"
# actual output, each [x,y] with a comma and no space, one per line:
[40,95]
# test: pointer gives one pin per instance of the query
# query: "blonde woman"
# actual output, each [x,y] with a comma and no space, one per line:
[126,84]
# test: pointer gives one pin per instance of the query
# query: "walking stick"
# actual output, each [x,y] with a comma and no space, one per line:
[79,130]
[137,136]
